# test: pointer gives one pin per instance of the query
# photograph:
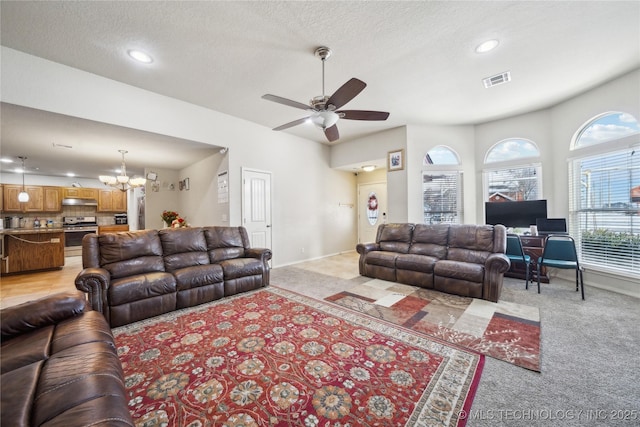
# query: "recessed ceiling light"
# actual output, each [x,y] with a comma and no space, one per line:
[368,168]
[487,46]
[71,174]
[6,160]
[140,56]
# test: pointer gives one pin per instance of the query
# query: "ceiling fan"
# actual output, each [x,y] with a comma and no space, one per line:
[324,109]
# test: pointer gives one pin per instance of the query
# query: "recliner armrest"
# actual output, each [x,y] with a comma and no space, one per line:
[95,281]
[497,262]
[262,254]
[42,312]
[363,248]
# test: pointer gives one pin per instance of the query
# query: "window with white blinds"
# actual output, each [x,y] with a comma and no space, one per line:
[604,209]
[514,183]
[442,197]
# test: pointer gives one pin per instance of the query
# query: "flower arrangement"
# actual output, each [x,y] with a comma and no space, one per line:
[179,223]
[168,217]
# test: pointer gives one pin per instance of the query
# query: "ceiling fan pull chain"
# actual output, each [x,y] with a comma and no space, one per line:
[323,59]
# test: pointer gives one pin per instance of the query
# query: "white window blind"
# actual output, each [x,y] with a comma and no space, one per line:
[442,197]
[604,209]
[514,183]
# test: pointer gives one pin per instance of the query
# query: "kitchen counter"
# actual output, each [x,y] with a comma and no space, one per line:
[7,231]
[31,249]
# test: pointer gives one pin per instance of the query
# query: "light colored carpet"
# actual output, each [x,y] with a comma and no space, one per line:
[590,353]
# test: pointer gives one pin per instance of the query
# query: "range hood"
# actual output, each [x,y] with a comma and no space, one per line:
[79,202]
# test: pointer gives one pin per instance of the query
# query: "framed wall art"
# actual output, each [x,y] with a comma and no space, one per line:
[395,160]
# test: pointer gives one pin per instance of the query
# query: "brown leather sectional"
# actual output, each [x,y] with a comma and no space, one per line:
[135,275]
[60,366]
[467,260]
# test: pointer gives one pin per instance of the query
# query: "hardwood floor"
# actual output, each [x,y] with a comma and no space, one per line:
[19,288]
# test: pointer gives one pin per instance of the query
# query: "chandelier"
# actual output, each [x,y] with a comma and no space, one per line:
[122,182]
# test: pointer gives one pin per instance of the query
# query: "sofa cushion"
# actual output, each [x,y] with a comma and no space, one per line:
[26,349]
[183,247]
[241,267]
[395,237]
[382,258]
[140,286]
[413,262]
[75,375]
[198,276]
[430,240]
[90,327]
[225,243]
[460,270]
[129,253]
[18,388]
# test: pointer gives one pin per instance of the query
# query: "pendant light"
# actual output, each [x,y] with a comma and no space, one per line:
[23,197]
[122,182]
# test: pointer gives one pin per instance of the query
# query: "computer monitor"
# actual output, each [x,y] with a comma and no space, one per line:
[548,226]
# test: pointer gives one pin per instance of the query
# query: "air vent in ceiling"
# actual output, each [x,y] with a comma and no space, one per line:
[498,79]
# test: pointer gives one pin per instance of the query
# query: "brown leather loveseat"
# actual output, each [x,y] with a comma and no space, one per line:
[467,260]
[60,366]
[132,276]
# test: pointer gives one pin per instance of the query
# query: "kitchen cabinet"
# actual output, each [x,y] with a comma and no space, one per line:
[30,250]
[1,198]
[112,201]
[41,199]
[52,199]
[80,193]
[11,203]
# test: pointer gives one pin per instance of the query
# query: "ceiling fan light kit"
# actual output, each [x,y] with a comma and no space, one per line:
[324,109]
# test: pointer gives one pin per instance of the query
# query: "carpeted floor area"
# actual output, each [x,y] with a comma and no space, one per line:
[589,360]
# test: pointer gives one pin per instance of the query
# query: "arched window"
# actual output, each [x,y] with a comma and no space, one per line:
[512,171]
[606,127]
[442,186]
[604,193]
[441,155]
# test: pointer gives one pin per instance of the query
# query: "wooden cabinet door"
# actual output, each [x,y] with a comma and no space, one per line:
[52,200]
[36,199]
[105,201]
[80,193]
[11,203]
[119,201]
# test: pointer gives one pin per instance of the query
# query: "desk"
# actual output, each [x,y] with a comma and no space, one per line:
[532,246]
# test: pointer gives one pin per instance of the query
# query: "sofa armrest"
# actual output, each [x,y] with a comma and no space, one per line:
[95,283]
[42,312]
[495,266]
[262,254]
[364,248]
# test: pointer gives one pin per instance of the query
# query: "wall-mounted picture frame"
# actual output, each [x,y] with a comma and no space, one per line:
[186,184]
[395,160]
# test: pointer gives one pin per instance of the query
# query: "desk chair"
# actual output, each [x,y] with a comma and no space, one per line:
[515,253]
[560,252]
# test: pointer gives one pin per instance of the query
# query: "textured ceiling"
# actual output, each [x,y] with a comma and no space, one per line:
[417,58]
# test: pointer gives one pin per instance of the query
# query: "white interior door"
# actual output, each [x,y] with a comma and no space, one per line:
[256,207]
[372,210]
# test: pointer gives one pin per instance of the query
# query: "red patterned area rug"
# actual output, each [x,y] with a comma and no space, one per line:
[276,358]
[502,330]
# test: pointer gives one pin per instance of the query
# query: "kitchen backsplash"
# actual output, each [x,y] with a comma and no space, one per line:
[101,218]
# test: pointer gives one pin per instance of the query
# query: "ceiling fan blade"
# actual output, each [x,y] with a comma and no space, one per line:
[285,101]
[292,124]
[332,133]
[363,115]
[346,92]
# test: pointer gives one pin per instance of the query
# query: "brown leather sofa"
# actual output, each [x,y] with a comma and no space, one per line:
[131,276]
[60,366]
[467,260]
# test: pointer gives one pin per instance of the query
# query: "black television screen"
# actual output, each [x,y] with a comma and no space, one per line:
[551,226]
[515,214]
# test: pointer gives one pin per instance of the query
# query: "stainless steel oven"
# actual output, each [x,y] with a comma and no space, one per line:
[75,228]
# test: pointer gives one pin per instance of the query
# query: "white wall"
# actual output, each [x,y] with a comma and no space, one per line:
[306,191]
